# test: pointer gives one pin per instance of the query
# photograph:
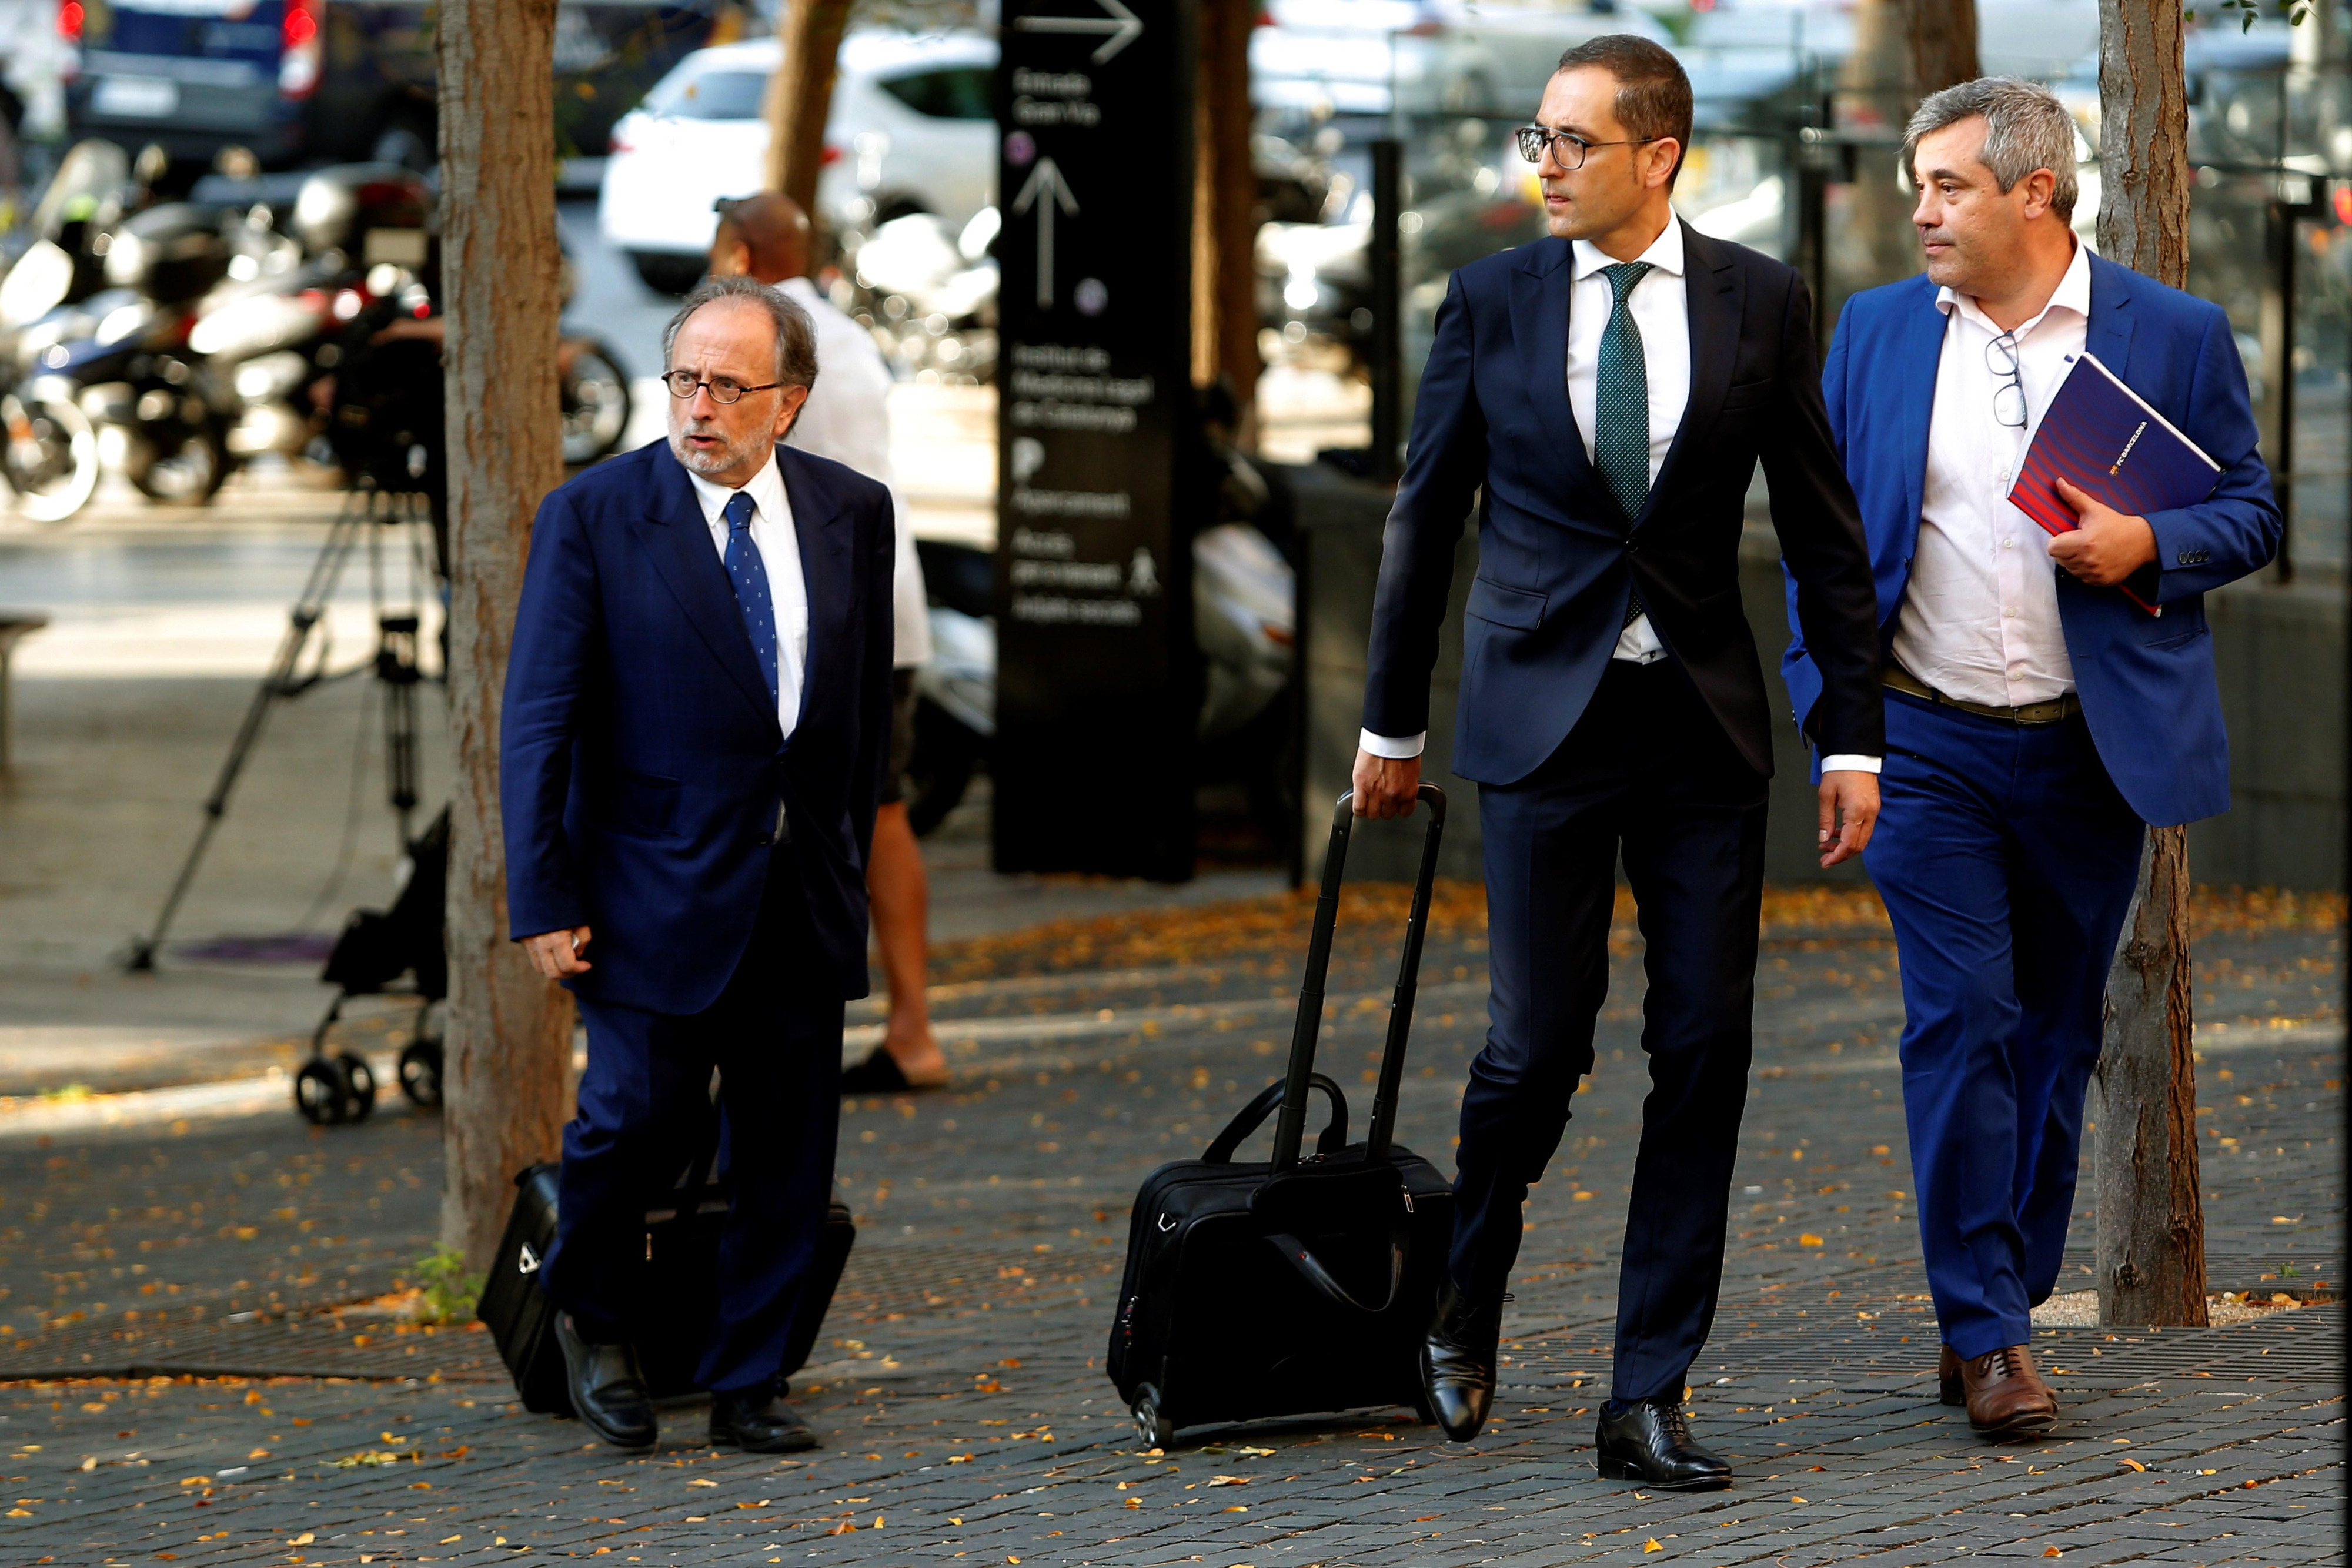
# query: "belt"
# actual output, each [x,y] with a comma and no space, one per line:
[1895,677]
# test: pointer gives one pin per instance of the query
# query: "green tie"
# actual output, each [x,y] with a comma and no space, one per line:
[1620,407]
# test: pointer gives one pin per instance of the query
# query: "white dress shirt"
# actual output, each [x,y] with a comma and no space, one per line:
[780,553]
[1980,616]
[1661,310]
[847,419]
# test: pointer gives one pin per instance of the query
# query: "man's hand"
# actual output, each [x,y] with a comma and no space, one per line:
[556,954]
[1854,796]
[2109,546]
[1386,786]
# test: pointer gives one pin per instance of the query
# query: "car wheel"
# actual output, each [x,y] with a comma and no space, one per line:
[667,272]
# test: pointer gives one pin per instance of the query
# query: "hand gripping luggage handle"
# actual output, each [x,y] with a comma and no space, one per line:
[1290,1130]
[1246,1121]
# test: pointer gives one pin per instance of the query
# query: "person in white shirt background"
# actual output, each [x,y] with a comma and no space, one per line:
[847,419]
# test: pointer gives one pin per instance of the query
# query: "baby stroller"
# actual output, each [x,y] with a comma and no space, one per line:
[377,948]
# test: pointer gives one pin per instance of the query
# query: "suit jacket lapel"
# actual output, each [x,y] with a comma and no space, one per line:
[1540,289]
[822,530]
[677,540]
[2108,333]
[1918,353]
[1712,303]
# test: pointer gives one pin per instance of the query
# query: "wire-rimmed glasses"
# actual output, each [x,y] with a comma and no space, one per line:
[684,384]
[2009,397]
[1566,148]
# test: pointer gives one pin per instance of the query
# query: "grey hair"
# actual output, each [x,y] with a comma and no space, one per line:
[2026,128]
[795,333]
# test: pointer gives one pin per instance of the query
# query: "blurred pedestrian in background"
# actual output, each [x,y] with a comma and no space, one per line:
[847,419]
[697,717]
[2039,718]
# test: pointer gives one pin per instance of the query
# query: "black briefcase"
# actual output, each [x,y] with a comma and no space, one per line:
[681,1254]
[1300,1284]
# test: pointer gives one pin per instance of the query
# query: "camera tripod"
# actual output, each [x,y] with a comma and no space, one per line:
[368,516]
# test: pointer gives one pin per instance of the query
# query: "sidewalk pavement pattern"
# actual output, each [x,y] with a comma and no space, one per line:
[199,1375]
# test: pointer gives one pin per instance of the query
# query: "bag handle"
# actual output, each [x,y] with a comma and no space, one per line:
[1310,1268]
[1290,1130]
[1222,1148]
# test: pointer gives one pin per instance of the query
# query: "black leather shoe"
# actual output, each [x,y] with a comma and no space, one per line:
[607,1390]
[758,1421]
[1457,1362]
[1649,1441]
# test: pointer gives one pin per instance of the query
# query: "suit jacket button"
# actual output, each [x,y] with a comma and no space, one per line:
[763,839]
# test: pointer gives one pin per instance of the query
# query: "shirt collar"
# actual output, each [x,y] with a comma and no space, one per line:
[766,489]
[2072,293]
[1664,255]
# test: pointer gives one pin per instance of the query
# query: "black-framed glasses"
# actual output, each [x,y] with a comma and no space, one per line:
[1566,146]
[684,384]
[2009,397]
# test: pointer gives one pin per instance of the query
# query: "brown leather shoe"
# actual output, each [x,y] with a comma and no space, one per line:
[2006,1397]
[1948,1379]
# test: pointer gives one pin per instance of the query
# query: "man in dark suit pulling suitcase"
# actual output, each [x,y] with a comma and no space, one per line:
[1604,395]
[697,709]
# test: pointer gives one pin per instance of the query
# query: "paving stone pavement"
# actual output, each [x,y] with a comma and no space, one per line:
[957,1386]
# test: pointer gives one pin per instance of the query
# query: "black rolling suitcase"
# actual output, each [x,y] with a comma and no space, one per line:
[681,1252]
[1300,1284]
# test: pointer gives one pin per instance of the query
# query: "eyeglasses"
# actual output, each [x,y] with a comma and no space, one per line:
[684,384]
[1566,146]
[2008,398]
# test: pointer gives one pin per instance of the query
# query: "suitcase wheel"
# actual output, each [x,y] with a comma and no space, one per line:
[420,1071]
[1151,1423]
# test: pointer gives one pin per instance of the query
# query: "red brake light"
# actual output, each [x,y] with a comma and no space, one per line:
[297,65]
[70,17]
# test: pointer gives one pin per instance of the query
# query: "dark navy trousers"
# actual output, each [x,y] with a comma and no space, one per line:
[1647,772]
[2007,860]
[774,1037]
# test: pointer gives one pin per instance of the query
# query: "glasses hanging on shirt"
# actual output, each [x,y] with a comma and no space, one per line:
[2009,397]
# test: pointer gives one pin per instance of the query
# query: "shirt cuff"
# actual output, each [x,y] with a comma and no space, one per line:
[1394,747]
[1845,763]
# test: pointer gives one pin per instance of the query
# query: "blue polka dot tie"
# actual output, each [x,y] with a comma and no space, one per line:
[749,575]
[1620,407]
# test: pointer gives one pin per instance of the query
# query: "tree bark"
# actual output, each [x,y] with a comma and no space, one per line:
[1943,44]
[508,1048]
[800,94]
[2151,1222]
[1226,205]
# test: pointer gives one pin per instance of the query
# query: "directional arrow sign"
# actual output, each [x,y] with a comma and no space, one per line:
[1046,191]
[1122,26]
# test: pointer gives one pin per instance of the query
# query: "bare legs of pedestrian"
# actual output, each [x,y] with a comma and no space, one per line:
[901,894]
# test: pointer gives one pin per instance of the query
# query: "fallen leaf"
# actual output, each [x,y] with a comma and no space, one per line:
[1426,1518]
[2052,1551]
[1228,1480]
[1796,1500]
[1135,1502]
[701,1482]
[2135,1464]
[1809,1239]
[302,1540]
[258,1454]
[1652,1545]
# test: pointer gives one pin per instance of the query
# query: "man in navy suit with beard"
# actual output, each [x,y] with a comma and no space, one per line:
[1602,397]
[697,711]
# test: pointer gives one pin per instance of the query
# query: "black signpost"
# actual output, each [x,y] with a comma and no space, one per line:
[1098,687]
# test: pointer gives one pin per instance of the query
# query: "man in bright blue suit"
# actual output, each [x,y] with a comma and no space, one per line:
[2038,720]
[697,709]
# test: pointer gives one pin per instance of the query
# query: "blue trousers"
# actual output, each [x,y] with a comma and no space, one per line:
[2007,860]
[774,1037]
[1649,773]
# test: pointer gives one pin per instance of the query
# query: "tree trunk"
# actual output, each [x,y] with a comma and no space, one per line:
[1943,44]
[800,94]
[509,1042]
[2151,1222]
[1225,205]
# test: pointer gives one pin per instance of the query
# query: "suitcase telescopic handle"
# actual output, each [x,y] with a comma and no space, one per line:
[1290,1128]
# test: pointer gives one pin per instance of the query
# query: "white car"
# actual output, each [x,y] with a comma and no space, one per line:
[911,131]
[1420,56]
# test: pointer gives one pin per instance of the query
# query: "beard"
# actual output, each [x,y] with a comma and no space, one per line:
[707,462]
